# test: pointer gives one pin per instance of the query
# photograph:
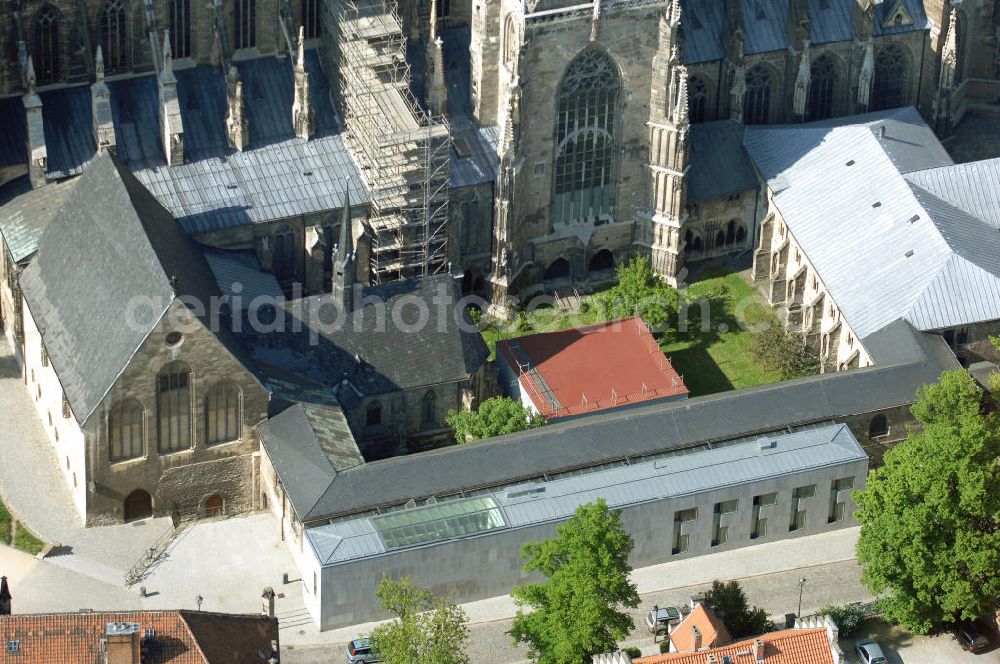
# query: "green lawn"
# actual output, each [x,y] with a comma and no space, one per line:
[5,524]
[713,353]
[13,532]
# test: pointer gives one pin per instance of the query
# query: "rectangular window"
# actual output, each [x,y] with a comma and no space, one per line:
[720,533]
[799,506]
[758,526]
[246,24]
[837,495]
[680,538]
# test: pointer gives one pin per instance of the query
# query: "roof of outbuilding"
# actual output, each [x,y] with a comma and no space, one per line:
[714,632]
[789,646]
[973,187]
[133,248]
[720,164]
[26,212]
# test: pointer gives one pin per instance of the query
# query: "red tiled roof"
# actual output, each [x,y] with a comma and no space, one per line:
[181,637]
[591,368]
[789,646]
[713,631]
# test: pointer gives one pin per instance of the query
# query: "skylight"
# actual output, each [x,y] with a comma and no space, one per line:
[443,521]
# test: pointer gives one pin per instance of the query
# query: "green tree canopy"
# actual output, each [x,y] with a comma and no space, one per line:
[640,292]
[495,417]
[731,604]
[578,608]
[930,517]
[427,629]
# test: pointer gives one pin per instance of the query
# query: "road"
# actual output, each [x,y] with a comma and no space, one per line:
[777,593]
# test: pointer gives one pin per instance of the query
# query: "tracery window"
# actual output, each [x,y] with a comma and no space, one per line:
[509,40]
[222,414]
[888,90]
[173,407]
[311,20]
[428,417]
[46,51]
[125,436]
[180,28]
[114,36]
[585,138]
[245,19]
[757,100]
[823,76]
[960,32]
[698,100]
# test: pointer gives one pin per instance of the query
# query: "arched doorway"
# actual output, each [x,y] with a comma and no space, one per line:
[214,505]
[138,505]
[602,260]
[558,269]
[741,234]
[697,246]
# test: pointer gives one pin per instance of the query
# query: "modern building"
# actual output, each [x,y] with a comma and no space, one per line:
[675,504]
[149,637]
[588,369]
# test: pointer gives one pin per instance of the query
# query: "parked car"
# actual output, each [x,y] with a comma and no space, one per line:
[659,618]
[869,652]
[359,651]
[970,637]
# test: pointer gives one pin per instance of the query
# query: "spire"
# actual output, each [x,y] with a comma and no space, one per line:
[438,90]
[342,285]
[681,104]
[167,73]
[29,76]
[303,116]
[802,83]
[433,22]
[300,58]
[345,248]
[99,64]
[949,52]
[867,73]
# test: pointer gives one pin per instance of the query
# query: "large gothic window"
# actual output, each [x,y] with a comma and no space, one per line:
[173,407]
[960,32]
[888,90]
[757,100]
[245,19]
[585,138]
[46,51]
[311,20]
[509,39]
[698,96]
[428,410]
[180,28]
[222,414]
[125,435]
[114,36]
[823,76]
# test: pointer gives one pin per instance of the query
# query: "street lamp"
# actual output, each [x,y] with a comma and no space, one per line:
[802,583]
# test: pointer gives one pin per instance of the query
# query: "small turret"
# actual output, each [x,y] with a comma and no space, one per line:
[343,259]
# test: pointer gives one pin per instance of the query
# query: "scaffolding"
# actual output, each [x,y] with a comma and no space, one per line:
[401,149]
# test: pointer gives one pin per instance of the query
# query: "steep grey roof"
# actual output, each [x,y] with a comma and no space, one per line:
[308,444]
[831,21]
[239,275]
[26,212]
[703,22]
[13,138]
[367,352]
[622,486]
[766,23]
[719,162]
[613,437]
[899,342]
[885,9]
[135,112]
[69,130]
[973,187]
[132,247]
[922,259]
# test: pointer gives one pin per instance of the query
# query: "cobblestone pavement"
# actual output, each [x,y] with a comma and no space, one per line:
[34,489]
[902,647]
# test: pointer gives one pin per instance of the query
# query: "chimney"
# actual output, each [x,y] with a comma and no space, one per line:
[4,597]
[122,643]
[37,154]
[758,650]
[267,600]
[697,637]
[171,124]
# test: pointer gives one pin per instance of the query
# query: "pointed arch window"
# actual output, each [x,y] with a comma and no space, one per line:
[757,100]
[245,20]
[283,258]
[585,138]
[823,76]
[114,36]
[46,51]
[222,414]
[428,410]
[311,19]
[889,87]
[173,407]
[373,414]
[509,39]
[180,28]
[698,100]
[125,431]
[960,32]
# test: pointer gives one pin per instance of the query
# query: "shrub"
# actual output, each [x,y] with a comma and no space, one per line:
[848,617]
[585,307]
[730,602]
[633,652]
[665,645]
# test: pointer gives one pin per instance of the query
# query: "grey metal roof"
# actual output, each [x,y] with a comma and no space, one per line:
[720,164]
[132,248]
[973,187]
[135,112]
[766,23]
[13,138]
[69,130]
[922,259]
[239,276]
[831,21]
[307,445]
[201,96]
[703,22]
[26,212]
[612,437]
[676,476]
[884,9]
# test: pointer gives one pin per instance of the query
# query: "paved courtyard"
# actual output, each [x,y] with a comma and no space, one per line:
[901,647]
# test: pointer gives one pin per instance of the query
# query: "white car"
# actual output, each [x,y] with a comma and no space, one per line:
[660,618]
[869,652]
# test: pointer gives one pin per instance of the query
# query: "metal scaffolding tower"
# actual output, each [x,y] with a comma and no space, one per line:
[402,150]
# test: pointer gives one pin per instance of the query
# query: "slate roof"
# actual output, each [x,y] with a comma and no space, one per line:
[69,130]
[132,247]
[921,258]
[181,637]
[14,137]
[26,212]
[135,111]
[788,646]
[366,352]
[239,275]
[556,499]
[720,164]
[615,436]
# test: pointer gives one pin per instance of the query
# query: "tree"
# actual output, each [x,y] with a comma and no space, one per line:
[930,517]
[640,292]
[426,630]
[732,606]
[783,351]
[496,416]
[578,608]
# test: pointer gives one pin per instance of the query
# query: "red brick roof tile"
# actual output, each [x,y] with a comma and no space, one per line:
[790,646]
